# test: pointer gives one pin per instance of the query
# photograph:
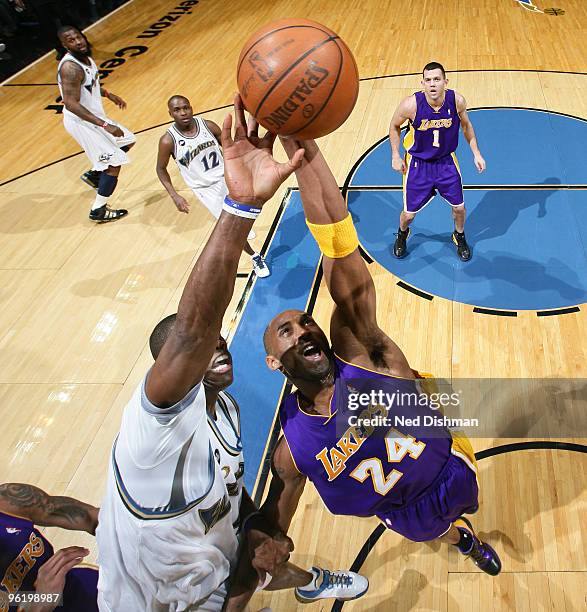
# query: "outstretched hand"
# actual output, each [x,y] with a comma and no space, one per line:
[252,175]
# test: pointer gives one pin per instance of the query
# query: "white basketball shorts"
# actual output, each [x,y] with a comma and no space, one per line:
[102,148]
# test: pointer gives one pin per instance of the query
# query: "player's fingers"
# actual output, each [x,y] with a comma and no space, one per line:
[252,127]
[64,552]
[284,541]
[66,566]
[240,124]
[69,557]
[269,140]
[293,164]
[226,132]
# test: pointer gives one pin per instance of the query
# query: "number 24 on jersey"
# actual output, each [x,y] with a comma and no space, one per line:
[398,446]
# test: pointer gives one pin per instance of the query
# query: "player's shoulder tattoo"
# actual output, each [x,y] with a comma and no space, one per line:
[71,72]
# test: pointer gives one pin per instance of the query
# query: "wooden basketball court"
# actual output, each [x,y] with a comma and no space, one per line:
[78,301]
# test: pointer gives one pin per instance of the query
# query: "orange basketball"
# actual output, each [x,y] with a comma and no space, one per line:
[298,78]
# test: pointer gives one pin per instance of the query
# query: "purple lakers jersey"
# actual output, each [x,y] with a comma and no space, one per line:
[362,461]
[433,134]
[23,549]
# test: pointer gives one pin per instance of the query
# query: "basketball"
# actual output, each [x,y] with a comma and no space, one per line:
[298,78]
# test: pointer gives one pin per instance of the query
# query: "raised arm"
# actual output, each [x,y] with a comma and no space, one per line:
[354,332]
[469,132]
[404,112]
[163,154]
[71,80]
[32,503]
[252,177]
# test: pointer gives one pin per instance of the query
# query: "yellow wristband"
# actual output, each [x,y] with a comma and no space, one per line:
[335,240]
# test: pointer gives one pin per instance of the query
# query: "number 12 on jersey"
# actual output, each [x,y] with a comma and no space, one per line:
[210,161]
[398,445]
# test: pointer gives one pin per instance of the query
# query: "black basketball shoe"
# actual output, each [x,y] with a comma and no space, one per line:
[463,250]
[105,214]
[399,247]
[91,178]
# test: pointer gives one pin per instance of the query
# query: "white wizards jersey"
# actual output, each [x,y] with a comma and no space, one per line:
[199,158]
[166,535]
[228,451]
[90,96]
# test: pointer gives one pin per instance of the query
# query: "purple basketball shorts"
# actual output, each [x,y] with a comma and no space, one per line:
[454,492]
[81,590]
[424,178]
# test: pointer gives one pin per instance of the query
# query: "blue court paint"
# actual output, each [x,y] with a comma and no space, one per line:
[293,258]
[521,147]
[529,246]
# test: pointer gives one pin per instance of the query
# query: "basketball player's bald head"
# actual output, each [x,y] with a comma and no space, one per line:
[219,374]
[160,334]
[296,345]
[181,111]
[177,98]
[274,325]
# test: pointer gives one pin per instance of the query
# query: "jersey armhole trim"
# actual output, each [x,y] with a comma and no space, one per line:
[224,395]
[287,444]
[167,413]
[291,455]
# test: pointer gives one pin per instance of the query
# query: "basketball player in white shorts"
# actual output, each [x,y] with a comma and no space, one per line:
[193,143]
[104,141]
[168,534]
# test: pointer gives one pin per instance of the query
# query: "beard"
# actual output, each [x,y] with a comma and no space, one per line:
[322,375]
[83,54]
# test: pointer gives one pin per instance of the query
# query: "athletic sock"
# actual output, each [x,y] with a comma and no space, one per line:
[106,187]
[99,201]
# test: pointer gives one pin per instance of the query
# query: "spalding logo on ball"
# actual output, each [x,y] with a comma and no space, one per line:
[298,78]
